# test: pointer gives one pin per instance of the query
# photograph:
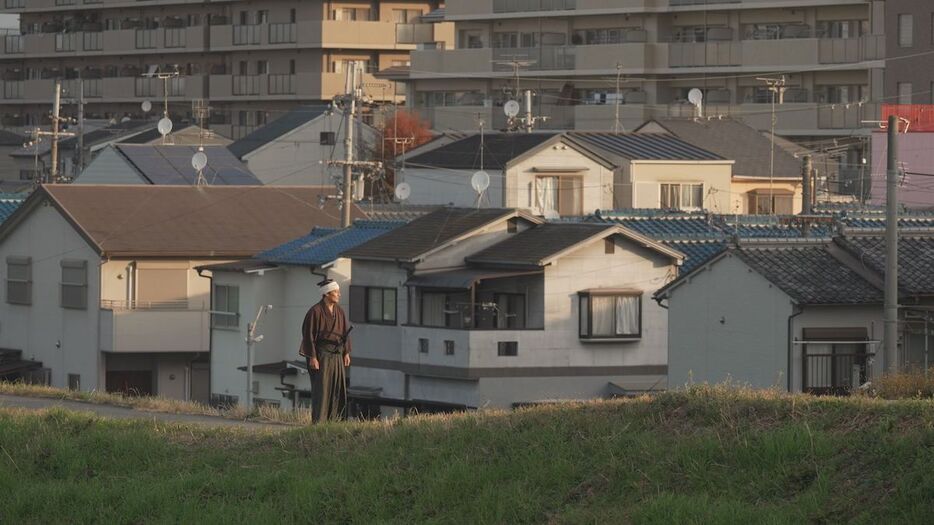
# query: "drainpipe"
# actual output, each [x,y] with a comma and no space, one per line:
[210,279]
[796,311]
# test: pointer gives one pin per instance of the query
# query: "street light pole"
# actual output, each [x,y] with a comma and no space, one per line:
[251,339]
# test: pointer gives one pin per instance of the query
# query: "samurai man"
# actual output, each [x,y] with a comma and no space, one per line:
[326,349]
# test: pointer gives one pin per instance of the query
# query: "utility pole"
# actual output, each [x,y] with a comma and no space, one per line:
[619,74]
[807,170]
[56,111]
[349,101]
[777,88]
[80,159]
[251,339]
[891,250]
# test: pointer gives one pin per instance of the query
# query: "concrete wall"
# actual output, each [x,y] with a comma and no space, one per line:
[728,323]
[291,290]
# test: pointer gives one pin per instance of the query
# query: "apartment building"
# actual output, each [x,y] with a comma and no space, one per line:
[250,60]
[591,60]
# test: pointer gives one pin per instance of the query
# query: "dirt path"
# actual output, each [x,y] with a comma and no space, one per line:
[115,412]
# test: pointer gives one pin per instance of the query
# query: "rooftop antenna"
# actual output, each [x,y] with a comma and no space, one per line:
[481,179]
[777,88]
[619,75]
[165,123]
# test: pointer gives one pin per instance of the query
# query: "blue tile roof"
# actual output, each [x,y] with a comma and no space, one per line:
[696,252]
[324,245]
[9,202]
[661,224]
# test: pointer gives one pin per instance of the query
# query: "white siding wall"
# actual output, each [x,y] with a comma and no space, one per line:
[448,186]
[728,323]
[66,341]
[597,180]
[109,167]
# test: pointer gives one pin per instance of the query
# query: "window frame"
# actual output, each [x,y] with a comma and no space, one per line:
[564,183]
[360,313]
[585,297]
[681,187]
[27,263]
[217,313]
[502,348]
[901,32]
[81,286]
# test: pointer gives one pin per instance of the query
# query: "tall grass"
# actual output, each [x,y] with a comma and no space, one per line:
[706,455]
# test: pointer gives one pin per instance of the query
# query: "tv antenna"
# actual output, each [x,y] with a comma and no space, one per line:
[165,123]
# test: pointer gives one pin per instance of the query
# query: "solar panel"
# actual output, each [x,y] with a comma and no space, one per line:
[171,165]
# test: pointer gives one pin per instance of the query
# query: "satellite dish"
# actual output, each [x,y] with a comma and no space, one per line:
[199,161]
[165,126]
[480,181]
[695,96]
[511,108]
[403,191]
[146,106]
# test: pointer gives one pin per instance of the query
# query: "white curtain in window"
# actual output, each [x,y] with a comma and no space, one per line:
[433,309]
[627,315]
[602,308]
[547,190]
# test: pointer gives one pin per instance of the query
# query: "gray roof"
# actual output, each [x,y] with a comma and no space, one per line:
[264,135]
[426,233]
[172,165]
[737,141]
[642,146]
[464,154]
[99,136]
[8,138]
[535,245]
[915,254]
[810,274]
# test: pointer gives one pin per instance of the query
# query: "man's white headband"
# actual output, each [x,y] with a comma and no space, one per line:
[329,287]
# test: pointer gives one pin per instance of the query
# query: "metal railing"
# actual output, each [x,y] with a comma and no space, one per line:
[12,89]
[246,84]
[542,58]
[281,84]
[182,304]
[176,37]
[13,44]
[92,41]
[246,35]
[145,38]
[835,374]
[513,6]
[282,33]
[66,41]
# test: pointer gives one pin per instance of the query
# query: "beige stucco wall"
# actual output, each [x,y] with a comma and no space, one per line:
[740,193]
[644,177]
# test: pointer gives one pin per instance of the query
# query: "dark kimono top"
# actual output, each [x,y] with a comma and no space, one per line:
[321,326]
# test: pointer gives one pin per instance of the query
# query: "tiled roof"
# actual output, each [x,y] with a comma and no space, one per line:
[732,139]
[428,232]
[680,226]
[878,222]
[696,252]
[184,221]
[9,202]
[531,247]
[915,255]
[324,245]
[766,226]
[464,154]
[275,129]
[396,212]
[810,274]
[642,146]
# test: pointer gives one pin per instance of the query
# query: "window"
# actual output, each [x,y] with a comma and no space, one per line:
[74,285]
[609,246]
[422,345]
[562,194]
[510,311]
[681,196]
[262,67]
[906,31]
[448,347]
[610,315]
[373,305]
[27,174]
[507,348]
[471,39]
[19,280]
[904,92]
[262,16]
[226,312]
[445,309]
[764,202]
[74,381]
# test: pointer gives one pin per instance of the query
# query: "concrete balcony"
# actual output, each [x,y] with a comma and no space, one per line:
[279,86]
[117,42]
[139,327]
[792,118]
[779,52]
[429,62]
[117,89]
[21,6]
[336,34]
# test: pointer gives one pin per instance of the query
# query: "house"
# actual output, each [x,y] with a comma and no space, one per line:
[286,278]
[184,135]
[761,182]
[799,315]
[101,286]
[572,173]
[491,307]
[294,148]
[170,164]
[11,180]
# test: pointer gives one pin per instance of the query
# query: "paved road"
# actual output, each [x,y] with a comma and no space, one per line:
[115,412]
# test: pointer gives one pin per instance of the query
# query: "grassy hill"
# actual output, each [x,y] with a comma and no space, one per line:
[709,455]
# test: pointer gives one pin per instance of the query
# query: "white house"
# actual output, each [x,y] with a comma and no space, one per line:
[799,315]
[286,278]
[101,286]
[492,308]
[294,148]
[573,173]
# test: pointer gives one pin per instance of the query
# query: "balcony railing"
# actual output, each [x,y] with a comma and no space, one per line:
[246,84]
[541,58]
[176,37]
[146,305]
[93,41]
[146,38]
[246,35]
[12,44]
[15,4]
[835,374]
[92,87]
[66,41]
[281,85]
[282,34]
[514,6]
[12,89]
